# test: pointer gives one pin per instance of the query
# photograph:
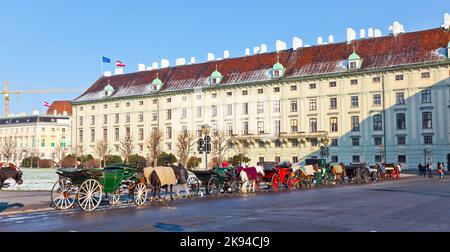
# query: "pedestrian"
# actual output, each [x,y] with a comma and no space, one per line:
[420,169]
[441,170]
[430,170]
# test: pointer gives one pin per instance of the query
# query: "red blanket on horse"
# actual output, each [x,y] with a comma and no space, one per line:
[252,174]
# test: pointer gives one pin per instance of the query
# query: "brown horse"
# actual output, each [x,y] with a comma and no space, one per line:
[338,171]
[10,172]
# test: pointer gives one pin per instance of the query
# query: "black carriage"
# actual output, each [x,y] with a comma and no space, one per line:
[215,181]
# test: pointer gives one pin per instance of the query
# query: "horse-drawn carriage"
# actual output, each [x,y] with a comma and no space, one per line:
[276,175]
[214,181]
[391,171]
[361,173]
[86,187]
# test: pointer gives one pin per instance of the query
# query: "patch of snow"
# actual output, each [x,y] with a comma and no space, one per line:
[36,180]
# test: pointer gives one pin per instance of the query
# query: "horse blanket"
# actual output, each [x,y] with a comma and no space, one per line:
[338,169]
[252,174]
[308,170]
[165,174]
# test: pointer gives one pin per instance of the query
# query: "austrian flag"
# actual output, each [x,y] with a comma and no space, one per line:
[120,63]
[47,104]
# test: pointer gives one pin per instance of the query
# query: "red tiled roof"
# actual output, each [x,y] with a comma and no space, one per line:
[389,51]
[60,107]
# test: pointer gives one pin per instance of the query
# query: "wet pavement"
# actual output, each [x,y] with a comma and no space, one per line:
[409,204]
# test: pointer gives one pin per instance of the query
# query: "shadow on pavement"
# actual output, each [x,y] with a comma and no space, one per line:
[5,205]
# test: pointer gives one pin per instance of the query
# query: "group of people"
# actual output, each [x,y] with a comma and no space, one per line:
[427,170]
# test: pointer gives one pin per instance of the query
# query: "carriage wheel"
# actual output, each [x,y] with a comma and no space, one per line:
[63,194]
[291,183]
[140,194]
[235,186]
[194,183]
[213,187]
[113,198]
[275,182]
[89,195]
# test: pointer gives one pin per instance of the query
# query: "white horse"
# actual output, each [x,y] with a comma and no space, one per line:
[250,181]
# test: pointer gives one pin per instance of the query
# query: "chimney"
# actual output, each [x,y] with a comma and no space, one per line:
[141,67]
[297,43]
[446,24]
[319,40]
[65,113]
[155,65]
[370,33]
[118,71]
[192,60]
[226,54]
[180,61]
[165,63]
[330,39]
[377,33]
[211,56]
[351,35]
[107,73]
[263,48]
[362,33]
[256,50]
[396,28]
[149,68]
[247,51]
[280,45]
[55,112]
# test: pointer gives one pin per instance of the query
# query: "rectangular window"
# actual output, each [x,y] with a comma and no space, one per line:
[127,131]
[169,100]
[401,158]
[229,129]
[116,105]
[401,140]
[377,122]
[260,127]
[184,113]
[154,115]
[142,103]
[105,106]
[169,133]
[334,124]
[426,96]
[141,134]
[260,91]
[199,131]
[378,159]
[116,134]
[376,79]
[376,100]
[399,77]
[294,126]
[355,101]
[355,159]
[332,84]
[92,107]
[427,120]
[295,143]
[169,114]
[276,106]
[244,92]
[334,142]
[312,86]
[261,144]
[42,142]
[355,141]
[105,119]
[428,139]
[184,98]
[128,104]
[245,108]
[214,95]
[294,159]
[229,94]
[214,111]
[425,75]
[400,98]
[314,142]
[378,141]
[116,118]
[276,89]
[105,134]
[80,136]
[294,107]
[333,103]
[260,107]
[294,88]
[128,118]
[245,128]
[80,121]
[92,135]
[312,104]
[93,120]
[354,82]
[199,112]
[334,159]
[230,109]
[313,125]
[277,127]
[401,121]
[141,117]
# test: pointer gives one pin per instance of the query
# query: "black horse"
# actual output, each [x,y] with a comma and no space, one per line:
[155,184]
[7,173]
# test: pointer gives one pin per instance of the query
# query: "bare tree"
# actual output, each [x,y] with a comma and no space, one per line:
[60,153]
[8,148]
[220,146]
[126,148]
[103,151]
[241,150]
[185,144]
[78,151]
[154,145]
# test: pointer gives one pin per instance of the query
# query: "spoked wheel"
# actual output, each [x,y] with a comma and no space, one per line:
[234,187]
[194,184]
[113,198]
[89,195]
[63,194]
[275,182]
[213,187]
[291,183]
[140,194]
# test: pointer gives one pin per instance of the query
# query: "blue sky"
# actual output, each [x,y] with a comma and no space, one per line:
[58,44]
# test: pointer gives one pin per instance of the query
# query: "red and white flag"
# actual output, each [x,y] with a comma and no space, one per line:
[120,63]
[47,104]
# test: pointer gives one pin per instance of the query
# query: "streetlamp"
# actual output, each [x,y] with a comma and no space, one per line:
[204,143]
[324,150]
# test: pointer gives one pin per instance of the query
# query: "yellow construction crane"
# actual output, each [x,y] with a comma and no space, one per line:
[41,91]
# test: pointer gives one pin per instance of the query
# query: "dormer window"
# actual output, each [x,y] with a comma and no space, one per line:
[157,84]
[108,90]
[216,77]
[354,61]
[278,69]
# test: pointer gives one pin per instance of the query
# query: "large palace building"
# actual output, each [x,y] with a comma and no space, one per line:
[368,99]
